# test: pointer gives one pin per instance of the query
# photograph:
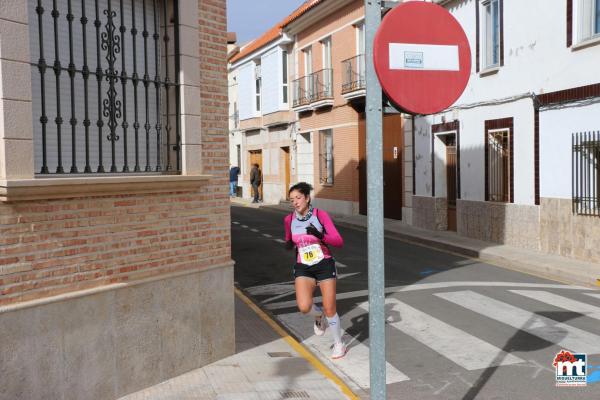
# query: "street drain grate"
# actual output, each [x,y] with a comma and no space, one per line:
[276,354]
[289,394]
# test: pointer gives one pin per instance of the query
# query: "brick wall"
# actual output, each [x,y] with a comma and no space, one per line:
[49,247]
[57,246]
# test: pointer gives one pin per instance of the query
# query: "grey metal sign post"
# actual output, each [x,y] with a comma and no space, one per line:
[375,208]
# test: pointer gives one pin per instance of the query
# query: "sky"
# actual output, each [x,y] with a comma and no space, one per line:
[251,18]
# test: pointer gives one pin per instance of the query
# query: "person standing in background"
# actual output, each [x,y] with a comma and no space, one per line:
[234,172]
[255,181]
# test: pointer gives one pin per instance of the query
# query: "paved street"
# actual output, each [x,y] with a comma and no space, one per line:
[456,328]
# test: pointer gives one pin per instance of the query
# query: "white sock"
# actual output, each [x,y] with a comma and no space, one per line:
[315,311]
[335,328]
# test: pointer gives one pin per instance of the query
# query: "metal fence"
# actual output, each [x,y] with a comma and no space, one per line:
[323,84]
[498,168]
[302,89]
[113,77]
[353,70]
[586,173]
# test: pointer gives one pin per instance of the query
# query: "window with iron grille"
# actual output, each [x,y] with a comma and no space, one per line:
[105,86]
[326,156]
[586,173]
[499,163]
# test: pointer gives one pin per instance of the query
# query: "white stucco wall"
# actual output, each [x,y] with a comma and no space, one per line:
[270,65]
[304,158]
[246,90]
[556,129]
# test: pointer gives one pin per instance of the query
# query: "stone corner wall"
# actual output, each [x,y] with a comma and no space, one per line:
[566,234]
[504,223]
[430,213]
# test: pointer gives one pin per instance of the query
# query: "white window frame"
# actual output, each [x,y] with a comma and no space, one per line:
[587,14]
[285,80]
[360,38]
[257,88]
[487,34]
[326,52]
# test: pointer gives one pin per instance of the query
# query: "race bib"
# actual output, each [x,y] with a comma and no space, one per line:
[311,254]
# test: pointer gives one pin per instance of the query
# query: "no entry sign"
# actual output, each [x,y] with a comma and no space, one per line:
[422,57]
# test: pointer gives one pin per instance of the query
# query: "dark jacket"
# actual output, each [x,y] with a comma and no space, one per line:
[255,177]
[233,174]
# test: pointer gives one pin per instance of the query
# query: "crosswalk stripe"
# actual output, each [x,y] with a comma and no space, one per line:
[561,334]
[458,346]
[244,226]
[596,295]
[279,240]
[563,302]
[235,222]
[266,235]
[355,364]
[254,230]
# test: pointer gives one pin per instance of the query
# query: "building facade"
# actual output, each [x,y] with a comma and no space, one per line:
[318,127]
[263,126]
[114,214]
[515,160]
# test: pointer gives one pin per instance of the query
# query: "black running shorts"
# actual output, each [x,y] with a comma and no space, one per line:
[321,271]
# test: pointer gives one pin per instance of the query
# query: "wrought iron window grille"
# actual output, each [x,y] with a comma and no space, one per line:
[131,48]
[586,173]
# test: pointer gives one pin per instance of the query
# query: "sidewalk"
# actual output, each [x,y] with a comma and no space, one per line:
[533,262]
[268,364]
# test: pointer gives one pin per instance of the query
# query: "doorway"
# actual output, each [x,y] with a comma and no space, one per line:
[285,152]
[451,178]
[393,149]
[256,158]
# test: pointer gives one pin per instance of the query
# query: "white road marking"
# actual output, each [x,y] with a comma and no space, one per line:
[244,226]
[436,285]
[340,265]
[235,222]
[267,235]
[254,230]
[564,335]
[596,295]
[355,364]
[561,302]
[279,240]
[456,345]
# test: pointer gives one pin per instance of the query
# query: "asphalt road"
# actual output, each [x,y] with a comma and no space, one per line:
[456,328]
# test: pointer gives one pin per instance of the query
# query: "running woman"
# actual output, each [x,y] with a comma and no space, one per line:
[311,231]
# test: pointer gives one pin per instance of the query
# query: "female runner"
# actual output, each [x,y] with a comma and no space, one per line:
[311,232]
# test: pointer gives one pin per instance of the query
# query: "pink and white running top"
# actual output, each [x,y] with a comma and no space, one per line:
[295,230]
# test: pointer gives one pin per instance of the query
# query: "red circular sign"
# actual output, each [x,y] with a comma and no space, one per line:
[422,57]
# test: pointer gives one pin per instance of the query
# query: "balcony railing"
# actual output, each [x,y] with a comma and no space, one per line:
[302,89]
[323,85]
[353,73]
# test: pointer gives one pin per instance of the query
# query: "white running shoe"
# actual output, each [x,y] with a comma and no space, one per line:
[320,325]
[339,350]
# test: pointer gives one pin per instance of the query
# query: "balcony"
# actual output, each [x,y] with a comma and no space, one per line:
[313,91]
[353,74]
[322,88]
[302,93]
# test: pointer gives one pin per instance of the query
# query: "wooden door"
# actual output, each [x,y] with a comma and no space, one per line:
[451,180]
[287,170]
[256,158]
[393,149]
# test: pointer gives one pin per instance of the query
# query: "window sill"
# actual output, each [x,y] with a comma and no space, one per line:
[586,43]
[60,188]
[489,71]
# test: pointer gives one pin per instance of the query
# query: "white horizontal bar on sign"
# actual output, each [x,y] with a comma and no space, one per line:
[426,57]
